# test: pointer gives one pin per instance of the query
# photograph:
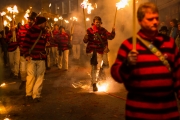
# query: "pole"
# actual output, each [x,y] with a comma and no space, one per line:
[134,24]
[115,17]
[84,19]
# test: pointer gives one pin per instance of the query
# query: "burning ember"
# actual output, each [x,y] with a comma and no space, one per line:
[3,84]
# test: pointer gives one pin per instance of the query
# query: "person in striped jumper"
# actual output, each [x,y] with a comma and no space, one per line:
[151,72]
[34,51]
[13,50]
[21,35]
[96,39]
[62,39]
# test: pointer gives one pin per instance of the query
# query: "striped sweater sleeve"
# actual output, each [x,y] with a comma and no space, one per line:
[176,71]
[120,70]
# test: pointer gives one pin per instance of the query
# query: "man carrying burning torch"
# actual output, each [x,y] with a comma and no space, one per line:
[97,46]
[150,72]
[34,52]
[21,35]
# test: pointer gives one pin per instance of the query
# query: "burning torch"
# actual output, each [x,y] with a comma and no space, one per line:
[61,18]
[72,27]
[13,11]
[2,16]
[119,5]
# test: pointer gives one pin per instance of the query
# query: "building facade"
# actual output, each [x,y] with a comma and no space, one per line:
[168,9]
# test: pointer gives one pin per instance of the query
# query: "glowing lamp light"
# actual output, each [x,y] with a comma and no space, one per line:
[50,5]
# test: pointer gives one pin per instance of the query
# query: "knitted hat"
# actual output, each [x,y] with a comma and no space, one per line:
[32,16]
[40,20]
[163,28]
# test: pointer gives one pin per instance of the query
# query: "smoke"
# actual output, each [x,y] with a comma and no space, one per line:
[123,27]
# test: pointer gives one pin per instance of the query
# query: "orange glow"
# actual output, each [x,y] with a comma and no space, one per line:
[121,4]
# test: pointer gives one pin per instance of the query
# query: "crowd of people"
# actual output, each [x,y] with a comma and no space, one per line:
[150,71]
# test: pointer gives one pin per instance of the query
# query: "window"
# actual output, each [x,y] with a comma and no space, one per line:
[64,8]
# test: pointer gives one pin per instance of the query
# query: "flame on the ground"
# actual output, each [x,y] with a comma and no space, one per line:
[102,86]
[7,119]
[3,84]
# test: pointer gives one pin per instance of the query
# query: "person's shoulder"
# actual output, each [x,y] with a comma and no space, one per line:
[164,37]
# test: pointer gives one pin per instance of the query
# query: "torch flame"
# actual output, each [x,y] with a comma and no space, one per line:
[22,22]
[66,21]
[5,23]
[27,14]
[121,4]
[13,10]
[73,19]
[9,18]
[55,19]
[87,19]
[3,13]
[85,4]
[61,18]
[50,5]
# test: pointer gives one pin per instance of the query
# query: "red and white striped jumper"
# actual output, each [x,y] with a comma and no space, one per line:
[151,86]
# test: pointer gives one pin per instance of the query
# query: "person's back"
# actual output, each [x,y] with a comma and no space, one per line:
[149,73]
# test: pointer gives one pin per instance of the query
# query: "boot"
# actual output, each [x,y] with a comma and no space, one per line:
[22,85]
[95,87]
